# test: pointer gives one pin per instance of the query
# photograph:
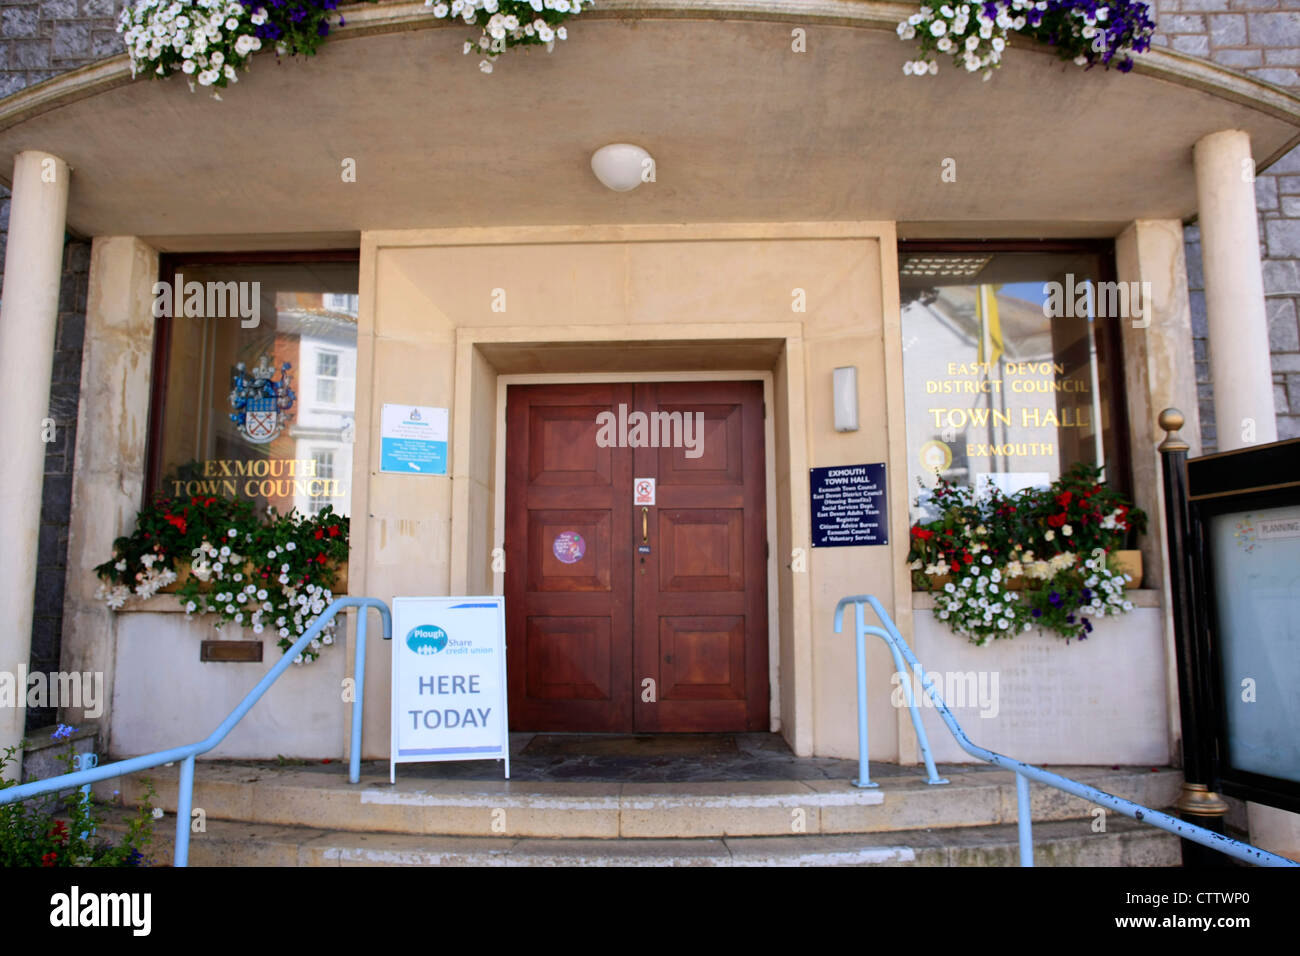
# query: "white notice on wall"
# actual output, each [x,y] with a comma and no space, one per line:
[413,440]
[449,680]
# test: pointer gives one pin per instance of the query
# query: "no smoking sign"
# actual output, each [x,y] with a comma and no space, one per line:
[643,491]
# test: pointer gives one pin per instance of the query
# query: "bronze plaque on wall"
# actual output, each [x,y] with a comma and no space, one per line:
[242,652]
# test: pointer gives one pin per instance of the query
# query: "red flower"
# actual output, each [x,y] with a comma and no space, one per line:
[334,531]
[1064,498]
[1057,520]
[919,532]
[319,534]
[177,521]
[320,558]
[50,859]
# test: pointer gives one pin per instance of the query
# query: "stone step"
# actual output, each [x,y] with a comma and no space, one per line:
[264,794]
[1060,843]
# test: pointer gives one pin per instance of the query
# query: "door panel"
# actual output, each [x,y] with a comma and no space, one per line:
[601,596]
[702,549]
[701,603]
[568,580]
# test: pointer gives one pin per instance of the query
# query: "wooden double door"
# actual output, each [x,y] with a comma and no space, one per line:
[634,617]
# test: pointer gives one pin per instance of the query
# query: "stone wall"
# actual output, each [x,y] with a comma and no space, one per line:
[42,38]
[56,498]
[1260,38]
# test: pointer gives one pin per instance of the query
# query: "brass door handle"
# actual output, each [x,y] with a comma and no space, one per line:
[645,525]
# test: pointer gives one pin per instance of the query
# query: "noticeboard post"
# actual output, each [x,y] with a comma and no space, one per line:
[449,680]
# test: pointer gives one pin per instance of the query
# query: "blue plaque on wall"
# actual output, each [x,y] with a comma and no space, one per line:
[848,506]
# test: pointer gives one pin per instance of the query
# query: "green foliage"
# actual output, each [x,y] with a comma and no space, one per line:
[61,829]
[271,571]
[1057,541]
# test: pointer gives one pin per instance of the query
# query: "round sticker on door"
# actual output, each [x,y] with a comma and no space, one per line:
[569,547]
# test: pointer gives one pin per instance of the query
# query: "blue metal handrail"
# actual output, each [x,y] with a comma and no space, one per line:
[185,794]
[1024,772]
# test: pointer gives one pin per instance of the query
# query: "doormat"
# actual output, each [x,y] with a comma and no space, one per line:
[631,745]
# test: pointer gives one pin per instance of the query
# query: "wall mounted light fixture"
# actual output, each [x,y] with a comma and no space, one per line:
[622,166]
[845,383]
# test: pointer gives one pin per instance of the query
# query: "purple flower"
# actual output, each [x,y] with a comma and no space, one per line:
[1037,613]
[63,730]
[1055,599]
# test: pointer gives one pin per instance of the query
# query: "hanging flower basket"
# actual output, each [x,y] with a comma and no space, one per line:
[974,34]
[221,557]
[1043,558]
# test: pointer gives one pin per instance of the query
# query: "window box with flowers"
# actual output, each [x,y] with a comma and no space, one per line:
[223,557]
[1045,558]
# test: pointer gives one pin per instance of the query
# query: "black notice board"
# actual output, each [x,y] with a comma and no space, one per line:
[848,506]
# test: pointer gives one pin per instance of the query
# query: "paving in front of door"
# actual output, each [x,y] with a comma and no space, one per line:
[650,758]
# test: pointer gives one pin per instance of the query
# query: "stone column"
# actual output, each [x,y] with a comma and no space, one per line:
[28,319]
[1234,290]
[1240,362]
[1157,356]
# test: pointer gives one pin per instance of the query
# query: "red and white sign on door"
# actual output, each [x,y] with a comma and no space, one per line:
[643,491]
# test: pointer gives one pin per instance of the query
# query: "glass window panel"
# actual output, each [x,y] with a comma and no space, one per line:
[235,421]
[1257,629]
[1004,374]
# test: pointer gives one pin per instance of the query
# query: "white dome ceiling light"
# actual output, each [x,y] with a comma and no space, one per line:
[622,167]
